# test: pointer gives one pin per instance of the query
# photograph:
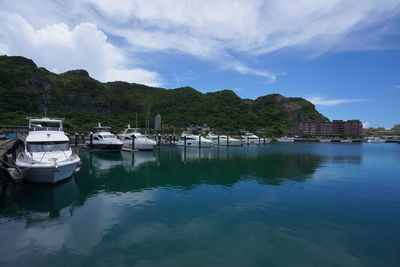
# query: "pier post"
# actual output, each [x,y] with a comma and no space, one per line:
[184,138]
[82,138]
[227,140]
[159,141]
[248,141]
[199,140]
[91,138]
[218,140]
[259,140]
[76,139]
[133,142]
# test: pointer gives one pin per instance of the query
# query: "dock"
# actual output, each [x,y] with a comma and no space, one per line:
[7,171]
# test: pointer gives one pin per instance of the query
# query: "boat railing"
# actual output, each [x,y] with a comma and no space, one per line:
[35,129]
[29,159]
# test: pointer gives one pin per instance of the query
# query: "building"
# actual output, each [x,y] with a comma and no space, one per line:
[157,122]
[336,127]
[397,128]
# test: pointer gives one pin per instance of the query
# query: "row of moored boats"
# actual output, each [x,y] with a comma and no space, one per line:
[47,157]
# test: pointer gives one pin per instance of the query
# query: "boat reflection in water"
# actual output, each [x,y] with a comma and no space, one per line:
[104,163]
[133,161]
[45,198]
[180,168]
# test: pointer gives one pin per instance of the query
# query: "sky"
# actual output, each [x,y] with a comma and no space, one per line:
[343,56]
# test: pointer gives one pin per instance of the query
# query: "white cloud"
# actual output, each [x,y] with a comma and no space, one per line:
[220,30]
[61,48]
[256,27]
[317,100]
[366,125]
[229,33]
[271,77]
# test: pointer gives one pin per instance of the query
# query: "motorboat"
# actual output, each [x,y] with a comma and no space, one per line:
[102,139]
[324,140]
[251,139]
[285,139]
[46,157]
[139,142]
[224,140]
[346,140]
[191,140]
[374,139]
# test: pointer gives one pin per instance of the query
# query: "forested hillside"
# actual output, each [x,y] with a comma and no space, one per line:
[26,90]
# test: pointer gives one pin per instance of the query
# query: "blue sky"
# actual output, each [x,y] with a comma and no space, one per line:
[341,55]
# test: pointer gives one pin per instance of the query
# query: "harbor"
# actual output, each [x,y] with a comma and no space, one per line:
[199,133]
[147,205]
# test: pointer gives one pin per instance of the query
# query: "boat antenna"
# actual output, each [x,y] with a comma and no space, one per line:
[148,119]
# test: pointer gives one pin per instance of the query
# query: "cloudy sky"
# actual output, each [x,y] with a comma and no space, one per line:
[342,55]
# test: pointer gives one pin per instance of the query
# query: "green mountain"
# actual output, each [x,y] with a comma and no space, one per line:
[26,90]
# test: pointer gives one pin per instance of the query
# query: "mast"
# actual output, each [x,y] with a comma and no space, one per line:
[148,119]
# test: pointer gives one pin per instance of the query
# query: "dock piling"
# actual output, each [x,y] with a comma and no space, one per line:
[76,139]
[91,138]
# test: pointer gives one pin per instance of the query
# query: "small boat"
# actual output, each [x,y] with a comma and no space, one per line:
[104,140]
[251,139]
[140,141]
[325,140]
[224,140]
[374,139]
[47,157]
[194,141]
[346,140]
[285,139]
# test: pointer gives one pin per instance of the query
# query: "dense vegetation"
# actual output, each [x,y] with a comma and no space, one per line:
[26,90]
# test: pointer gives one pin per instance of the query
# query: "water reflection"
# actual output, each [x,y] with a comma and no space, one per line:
[39,202]
[173,207]
[180,168]
[188,168]
[46,198]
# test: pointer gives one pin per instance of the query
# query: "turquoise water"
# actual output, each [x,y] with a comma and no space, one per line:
[295,204]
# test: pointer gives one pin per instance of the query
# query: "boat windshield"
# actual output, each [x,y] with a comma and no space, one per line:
[47,146]
[108,136]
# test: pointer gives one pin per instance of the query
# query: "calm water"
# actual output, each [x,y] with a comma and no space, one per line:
[283,204]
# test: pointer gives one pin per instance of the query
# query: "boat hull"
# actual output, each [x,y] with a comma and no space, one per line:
[231,143]
[145,146]
[50,175]
[195,144]
[106,147]
[253,142]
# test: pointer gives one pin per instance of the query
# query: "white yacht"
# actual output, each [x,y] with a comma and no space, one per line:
[373,139]
[140,142]
[194,141]
[224,140]
[104,140]
[285,139]
[251,139]
[324,140]
[47,157]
